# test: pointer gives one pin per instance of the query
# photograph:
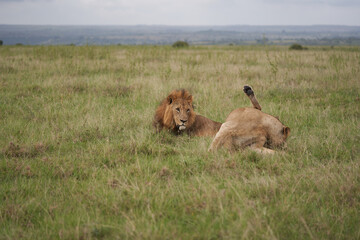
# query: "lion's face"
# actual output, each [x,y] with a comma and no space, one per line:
[176,111]
[182,111]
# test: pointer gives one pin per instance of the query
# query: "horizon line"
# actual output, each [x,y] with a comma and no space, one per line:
[174,25]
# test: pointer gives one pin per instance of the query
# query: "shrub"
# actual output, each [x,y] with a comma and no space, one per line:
[180,44]
[1,42]
[297,46]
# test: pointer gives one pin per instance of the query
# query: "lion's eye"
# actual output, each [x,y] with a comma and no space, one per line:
[188,110]
[178,109]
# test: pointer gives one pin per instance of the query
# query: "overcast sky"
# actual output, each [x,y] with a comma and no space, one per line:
[180,12]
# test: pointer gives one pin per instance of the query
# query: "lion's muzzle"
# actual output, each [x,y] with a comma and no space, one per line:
[182,127]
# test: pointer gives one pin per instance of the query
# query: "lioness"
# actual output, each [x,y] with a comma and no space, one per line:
[176,113]
[249,127]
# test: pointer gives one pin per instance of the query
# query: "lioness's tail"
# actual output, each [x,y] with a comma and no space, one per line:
[250,93]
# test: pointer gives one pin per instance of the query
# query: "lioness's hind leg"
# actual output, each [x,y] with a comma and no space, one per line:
[250,93]
[222,138]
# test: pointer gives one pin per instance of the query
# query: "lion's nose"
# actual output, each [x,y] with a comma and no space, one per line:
[183,121]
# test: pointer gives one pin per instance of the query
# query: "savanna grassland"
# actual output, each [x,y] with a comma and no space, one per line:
[79,158]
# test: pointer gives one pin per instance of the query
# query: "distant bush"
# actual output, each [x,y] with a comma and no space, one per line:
[1,42]
[180,44]
[297,46]
[19,44]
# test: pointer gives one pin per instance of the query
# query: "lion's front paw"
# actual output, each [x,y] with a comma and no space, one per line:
[248,91]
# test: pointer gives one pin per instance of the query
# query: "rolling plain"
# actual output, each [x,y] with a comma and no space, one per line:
[79,158]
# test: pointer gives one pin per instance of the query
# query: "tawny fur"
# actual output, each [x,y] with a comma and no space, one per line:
[249,127]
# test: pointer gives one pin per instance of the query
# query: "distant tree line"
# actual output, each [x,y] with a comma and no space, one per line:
[180,44]
[297,46]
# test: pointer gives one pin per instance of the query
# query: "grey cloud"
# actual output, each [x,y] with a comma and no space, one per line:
[170,12]
[338,3]
[18,1]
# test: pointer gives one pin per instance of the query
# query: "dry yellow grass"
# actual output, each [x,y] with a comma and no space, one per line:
[79,158]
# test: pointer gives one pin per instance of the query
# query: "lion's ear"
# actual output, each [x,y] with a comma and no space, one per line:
[286,131]
[190,98]
[170,100]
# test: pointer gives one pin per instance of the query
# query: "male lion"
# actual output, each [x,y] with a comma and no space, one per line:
[176,113]
[249,127]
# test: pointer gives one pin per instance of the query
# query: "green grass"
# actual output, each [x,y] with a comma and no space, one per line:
[79,158]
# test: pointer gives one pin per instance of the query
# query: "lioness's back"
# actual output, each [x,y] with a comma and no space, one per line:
[245,117]
[251,121]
